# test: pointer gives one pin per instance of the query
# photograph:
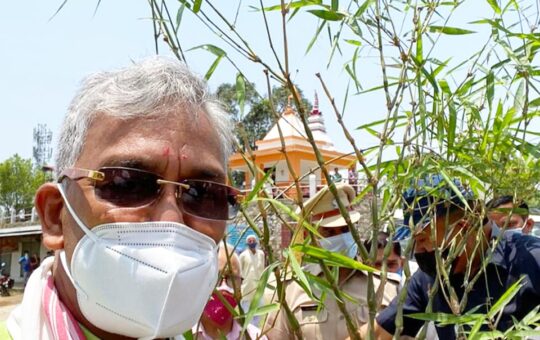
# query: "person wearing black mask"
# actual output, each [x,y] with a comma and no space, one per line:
[452,236]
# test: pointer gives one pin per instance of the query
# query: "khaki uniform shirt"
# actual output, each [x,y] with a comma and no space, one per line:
[327,323]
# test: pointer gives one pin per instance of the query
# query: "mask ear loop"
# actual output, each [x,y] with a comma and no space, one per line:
[63,261]
[80,223]
[84,228]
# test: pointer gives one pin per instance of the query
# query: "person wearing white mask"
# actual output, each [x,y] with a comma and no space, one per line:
[510,216]
[327,322]
[217,320]
[252,261]
[138,209]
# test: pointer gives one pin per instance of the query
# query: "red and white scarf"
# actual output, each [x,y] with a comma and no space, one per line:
[62,324]
[42,315]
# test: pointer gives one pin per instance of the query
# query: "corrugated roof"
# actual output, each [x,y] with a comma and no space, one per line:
[20,231]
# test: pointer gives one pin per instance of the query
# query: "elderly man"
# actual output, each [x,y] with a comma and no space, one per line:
[441,223]
[138,210]
[217,321]
[512,217]
[327,321]
[252,261]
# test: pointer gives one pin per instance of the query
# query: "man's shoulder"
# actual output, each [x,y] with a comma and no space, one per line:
[296,295]
[519,250]
[518,245]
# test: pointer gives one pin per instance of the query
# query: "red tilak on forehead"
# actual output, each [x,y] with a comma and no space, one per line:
[166,151]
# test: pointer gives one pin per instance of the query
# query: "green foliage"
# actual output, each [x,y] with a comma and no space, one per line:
[19,180]
[464,115]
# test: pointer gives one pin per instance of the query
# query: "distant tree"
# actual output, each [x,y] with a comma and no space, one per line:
[257,117]
[19,180]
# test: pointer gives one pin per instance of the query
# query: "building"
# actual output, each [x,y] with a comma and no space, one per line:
[288,138]
[14,240]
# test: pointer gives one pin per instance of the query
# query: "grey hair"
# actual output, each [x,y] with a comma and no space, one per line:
[150,88]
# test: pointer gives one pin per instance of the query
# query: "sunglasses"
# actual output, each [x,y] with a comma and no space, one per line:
[131,188]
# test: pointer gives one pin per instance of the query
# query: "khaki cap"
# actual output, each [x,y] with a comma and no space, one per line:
[323,208]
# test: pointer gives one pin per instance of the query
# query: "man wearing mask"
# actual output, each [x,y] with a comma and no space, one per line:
[394,262]
[217,321]
[449,223]
[328,322]
[512,217]
[252,262]
[26,266]
[138,209]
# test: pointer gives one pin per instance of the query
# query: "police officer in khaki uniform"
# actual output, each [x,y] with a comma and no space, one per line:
[327,322]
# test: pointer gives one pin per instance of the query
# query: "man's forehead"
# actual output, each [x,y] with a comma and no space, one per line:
[152,144]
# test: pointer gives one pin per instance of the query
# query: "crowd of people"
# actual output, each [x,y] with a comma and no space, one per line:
[138,215]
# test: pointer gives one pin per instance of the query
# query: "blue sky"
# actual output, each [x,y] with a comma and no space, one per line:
[42,60]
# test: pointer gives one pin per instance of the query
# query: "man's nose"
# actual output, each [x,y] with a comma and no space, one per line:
[422,242]
[167,208]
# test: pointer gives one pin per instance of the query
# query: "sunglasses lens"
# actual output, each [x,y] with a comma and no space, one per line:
[127,187]
[209,200]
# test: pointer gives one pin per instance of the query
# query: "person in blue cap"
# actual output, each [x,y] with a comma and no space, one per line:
[450,232]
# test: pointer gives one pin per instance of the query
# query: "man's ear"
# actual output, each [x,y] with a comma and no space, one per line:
[49,204]
[527,229]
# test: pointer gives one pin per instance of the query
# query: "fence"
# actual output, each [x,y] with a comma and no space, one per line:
[13,217]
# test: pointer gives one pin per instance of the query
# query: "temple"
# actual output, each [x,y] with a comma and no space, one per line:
[269,153]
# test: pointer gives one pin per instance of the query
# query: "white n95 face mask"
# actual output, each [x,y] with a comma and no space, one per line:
[508,233]
[342,243]
[143,280]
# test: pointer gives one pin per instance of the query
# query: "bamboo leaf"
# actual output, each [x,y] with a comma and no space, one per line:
[505,298]
[490,88]
[382,121]
[363,8]
[297,270]
[449,30]
[429,76]
[315,36]
[376,88]
[519,97]
[218,52]
[446,318]
[197,5]
[333,258]
[522,334]
[261,286]
[327,15]
[212,68]
[188,335]
[294,5]
[494,5]
[452,123]
[258,186]
[179,15]
[289,212]
[353,42]
[267,309]
[241,92]
[453,186]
